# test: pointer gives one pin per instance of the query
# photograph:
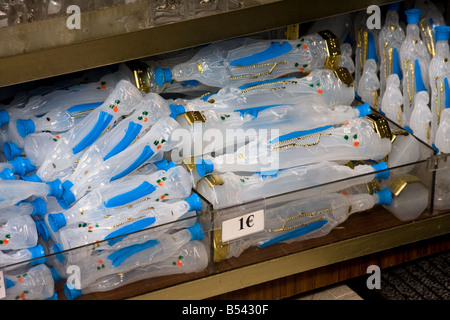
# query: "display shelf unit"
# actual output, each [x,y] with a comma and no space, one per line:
[284,261]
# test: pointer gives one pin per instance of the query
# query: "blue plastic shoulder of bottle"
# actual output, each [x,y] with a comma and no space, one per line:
[300,133]
[420,86]
[274,50]
[103,121]
[146,153]
[131,133]
[121,233]
[296,233]
[447,93]
[119,256]
[255,110]
[396,64]
[84,107]
[144,189]
[371,54]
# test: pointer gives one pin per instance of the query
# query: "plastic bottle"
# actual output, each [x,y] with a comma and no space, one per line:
[355,140]
[94,171]
[18,233]
[442,143]
[11,258]
[116,227]
[283,118]
[74,96]
[13,191]
[191,257]
[71,144]
[121,195]
[439,72]
[306,219]
[242,60]
[392,101]
[415,61]
[369,84]
[36,207]
[56,120]
[421,117]
[431,18]
[35,283]
[238,189]
[366,45]
[390,40]
[102,263]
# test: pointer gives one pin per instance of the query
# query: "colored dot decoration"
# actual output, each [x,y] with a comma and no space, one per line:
[179,262]
[6,240]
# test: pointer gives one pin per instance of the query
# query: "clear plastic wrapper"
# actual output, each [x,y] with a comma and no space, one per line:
[355,140]
[322,86]
[36,207]
[392,100]
[69,147]
[18,233]
[439,74]
[390,40]
[35,283]
[14,257]
[306,218]
[369,84]
[242,60]
[94,171]
[240,189]
[192,257]
[415,62]
[14,191]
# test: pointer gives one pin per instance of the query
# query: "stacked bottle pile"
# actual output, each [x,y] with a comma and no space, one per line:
[407,79]
[101,175]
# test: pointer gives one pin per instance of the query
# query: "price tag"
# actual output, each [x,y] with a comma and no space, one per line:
[242,226]
[2,286]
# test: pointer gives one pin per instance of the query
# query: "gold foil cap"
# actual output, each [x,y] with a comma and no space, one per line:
[194,116]
[141,75]
[399,183]
[333,49]
[380,125]
[189,163]
[220,250]
[344,76]
[214,180]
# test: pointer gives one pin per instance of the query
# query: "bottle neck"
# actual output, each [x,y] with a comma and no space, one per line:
[413,31]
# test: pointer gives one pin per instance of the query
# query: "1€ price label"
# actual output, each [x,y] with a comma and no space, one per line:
[242,226]
[2,286]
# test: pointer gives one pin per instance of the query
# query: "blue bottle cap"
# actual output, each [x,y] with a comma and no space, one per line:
[25,127]
[394,6]
[413,15]
[7,174]
[381,166]
[161,164]
[19,166]
[67,198]
[364,109]
[57,251]
[56,221]
[195,203]
[11,150]
[4,117]
[175,110]
[442,33]
[56,188]
[408,128]
[162,76]
[42,230]
[55,275]
[204,166]
[385,197]
[39,207]
[29,167]
[32,178]
[37,252]
[196,232]
[71,293]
